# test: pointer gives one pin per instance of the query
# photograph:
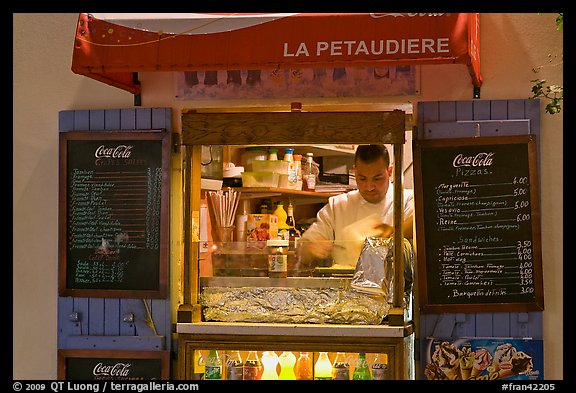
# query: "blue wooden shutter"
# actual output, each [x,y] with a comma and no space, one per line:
[450,119]
[114,323]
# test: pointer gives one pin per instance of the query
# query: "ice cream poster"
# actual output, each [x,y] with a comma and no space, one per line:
[483,359]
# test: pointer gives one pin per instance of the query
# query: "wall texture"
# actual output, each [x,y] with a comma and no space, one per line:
[43,85]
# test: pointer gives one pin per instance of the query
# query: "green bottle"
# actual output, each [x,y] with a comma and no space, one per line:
[361,371]
[213,367]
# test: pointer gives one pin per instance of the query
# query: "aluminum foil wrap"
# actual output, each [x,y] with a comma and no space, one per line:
[374,272]
[292,305]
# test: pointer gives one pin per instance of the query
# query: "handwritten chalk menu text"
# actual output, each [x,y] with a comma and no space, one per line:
[478,223]
[114,197]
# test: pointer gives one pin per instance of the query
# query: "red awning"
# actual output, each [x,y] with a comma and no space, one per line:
[111,47]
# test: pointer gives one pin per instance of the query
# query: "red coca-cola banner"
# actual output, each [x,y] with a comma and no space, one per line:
[110,47]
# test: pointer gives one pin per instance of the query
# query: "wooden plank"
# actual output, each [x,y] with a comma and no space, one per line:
[128,119]
[111,317]
[127,328]
[498,109]
[112,119]
[141,343]
[465,325]
[95,316]
[65,121]
[464,110]
[447,111]
[97,120]
[81,307]
[65,308]
[162,118]
[516,109]
[293,128]
[501,324]
[481,110]
[427,113]
[82,120]
[143,118]
[483,324]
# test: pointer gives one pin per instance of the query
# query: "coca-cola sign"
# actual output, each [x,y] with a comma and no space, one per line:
[120,151]
[480,159]
[111,370]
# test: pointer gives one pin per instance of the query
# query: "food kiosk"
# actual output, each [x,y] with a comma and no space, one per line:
[392,335]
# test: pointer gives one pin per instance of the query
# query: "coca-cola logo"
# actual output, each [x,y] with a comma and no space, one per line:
[112,370]
[480,159]
[120,151]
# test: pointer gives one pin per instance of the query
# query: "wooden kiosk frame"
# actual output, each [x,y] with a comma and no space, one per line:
[292,128]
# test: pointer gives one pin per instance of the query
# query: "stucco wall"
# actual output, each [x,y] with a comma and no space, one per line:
[43,85]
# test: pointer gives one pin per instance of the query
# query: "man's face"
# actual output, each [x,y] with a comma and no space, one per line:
[373,179]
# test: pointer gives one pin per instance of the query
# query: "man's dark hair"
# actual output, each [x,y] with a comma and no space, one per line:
[371,153]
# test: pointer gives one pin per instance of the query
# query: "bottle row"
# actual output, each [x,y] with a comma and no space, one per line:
[298,173]
[268,365]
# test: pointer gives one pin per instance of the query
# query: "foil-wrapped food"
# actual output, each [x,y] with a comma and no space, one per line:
[292,305]
[365,301]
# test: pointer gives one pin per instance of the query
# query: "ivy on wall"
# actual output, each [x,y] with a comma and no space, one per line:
[553,94]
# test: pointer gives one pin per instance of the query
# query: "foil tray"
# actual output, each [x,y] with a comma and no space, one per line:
[289,300]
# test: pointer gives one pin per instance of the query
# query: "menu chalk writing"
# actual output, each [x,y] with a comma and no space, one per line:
[113,195]
[478,224]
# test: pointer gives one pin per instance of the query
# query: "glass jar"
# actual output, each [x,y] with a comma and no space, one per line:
[277,258]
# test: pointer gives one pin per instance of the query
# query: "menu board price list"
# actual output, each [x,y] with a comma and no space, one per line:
[479,243]
[113,213]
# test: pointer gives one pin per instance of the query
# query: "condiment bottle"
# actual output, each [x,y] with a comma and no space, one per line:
[292,174]
[309,173]
[341,367]
[298,165]
[304,366]
[273,154]
[277,258]
[361,371]
[283,228]
[323,367]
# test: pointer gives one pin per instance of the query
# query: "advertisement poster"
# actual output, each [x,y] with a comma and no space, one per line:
[305,82]
[483,359]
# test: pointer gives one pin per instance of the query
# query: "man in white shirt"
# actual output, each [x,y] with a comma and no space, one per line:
[347,219]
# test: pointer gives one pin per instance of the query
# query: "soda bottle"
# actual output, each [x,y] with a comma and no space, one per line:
[252,366]
[380,367]
[361,371]
[234,366]
[304,366]
[213,367]
[323,367]
[341,367]
[269,362]
[287,361]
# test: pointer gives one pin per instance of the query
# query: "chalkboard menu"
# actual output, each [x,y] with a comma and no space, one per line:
[113,223]
[103,365]
[478,224]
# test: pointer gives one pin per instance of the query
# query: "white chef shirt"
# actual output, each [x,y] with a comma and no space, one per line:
[333,220]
